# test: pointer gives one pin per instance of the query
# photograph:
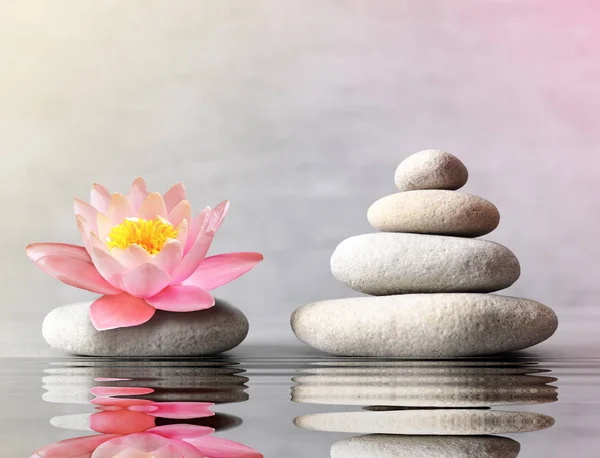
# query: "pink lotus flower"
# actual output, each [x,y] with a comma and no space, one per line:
[143,252]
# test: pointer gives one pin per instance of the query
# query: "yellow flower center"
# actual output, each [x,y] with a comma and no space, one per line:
[151,235]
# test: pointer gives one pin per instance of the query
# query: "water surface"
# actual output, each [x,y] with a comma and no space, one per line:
[549,406]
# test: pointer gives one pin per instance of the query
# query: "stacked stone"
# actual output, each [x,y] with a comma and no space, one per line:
[433,276]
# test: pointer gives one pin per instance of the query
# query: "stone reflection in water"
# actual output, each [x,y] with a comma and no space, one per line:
[218,382]
[428,421]
[424,384]
[425,408]
[391,446]
[134,420]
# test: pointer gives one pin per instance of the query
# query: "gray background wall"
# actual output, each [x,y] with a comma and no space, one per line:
[299,112]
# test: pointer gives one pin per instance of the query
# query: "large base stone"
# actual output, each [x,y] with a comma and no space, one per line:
[424,325]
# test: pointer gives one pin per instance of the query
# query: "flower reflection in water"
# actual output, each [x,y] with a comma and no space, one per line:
[128,430]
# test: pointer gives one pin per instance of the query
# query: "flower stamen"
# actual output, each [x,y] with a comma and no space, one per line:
[151,235]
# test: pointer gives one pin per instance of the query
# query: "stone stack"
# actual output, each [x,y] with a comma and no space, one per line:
[433,277]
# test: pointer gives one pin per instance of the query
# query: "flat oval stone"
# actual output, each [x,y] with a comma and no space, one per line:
[431,169]
[395,446]
[434,421]
[202,333]
[395,263]
[424,325]
[434,212]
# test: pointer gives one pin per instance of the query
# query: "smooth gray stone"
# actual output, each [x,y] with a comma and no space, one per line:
[434,212]
[424,325]
[431,169]
[426,422]
[202,333]
[395,263]
[392,446]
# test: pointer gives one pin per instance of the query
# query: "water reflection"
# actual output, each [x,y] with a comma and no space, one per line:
[162,411]
[391,446]
[197,381]
[434,386]
[425,408]
[430,421]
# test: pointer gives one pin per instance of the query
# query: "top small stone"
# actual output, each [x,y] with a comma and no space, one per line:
[431,169]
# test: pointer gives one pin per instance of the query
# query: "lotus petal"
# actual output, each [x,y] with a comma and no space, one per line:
[169,256]
[107,266]
[218,215]
[192,259]
[75,272]
[120,311]
[120,208]
[182,233]
[100,198]
[137,193]
[198,224]
[104,225]
[182,298]
[145,281]
[132,257]
[84,229]
[87,212]
[182,210]
[218,270]
[36,251]
[153,206]
[174,195]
